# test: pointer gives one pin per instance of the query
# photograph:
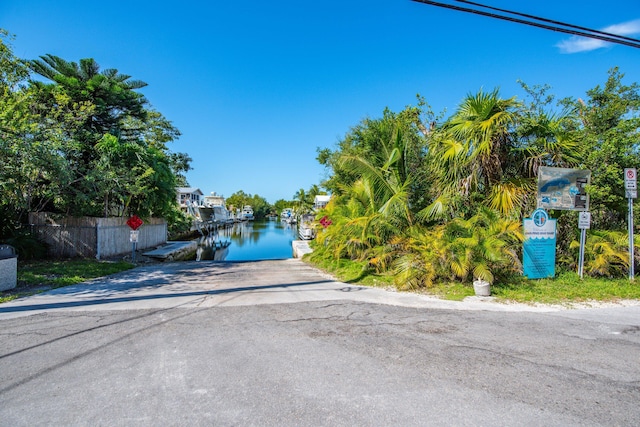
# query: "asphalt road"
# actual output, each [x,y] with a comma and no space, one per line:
[277,343]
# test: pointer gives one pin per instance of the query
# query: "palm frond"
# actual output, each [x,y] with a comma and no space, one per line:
[481,271]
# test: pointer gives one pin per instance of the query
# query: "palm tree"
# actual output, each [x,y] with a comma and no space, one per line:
[482,245]
[473,153]
[606,253]
[548,139]
[388,176]
[482,124]
[302,201]
[111,94]
[350,234]
[373,203]
[418,256]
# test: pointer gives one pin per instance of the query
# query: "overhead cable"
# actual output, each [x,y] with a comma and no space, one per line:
[573,30]
[537,18]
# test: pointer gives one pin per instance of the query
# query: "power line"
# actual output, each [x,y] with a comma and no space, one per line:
[573,30]
[537,18]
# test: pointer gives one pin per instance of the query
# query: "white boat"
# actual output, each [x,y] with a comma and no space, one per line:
[288,215]
[203,213]
[219,213]
[247,213]
[306,231]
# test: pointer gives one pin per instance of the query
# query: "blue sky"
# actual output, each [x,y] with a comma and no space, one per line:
[255,87]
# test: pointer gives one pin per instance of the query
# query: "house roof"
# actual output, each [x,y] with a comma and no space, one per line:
[190,190]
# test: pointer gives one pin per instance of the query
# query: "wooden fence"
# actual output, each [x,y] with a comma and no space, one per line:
[89,237]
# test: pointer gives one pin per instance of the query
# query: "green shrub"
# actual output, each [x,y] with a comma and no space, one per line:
[27,246]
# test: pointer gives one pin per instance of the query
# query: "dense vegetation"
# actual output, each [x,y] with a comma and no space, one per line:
[81,141]
[430,200]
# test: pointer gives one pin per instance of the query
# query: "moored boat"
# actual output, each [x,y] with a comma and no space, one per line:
[219,213]
[306,230]
[205,213]
[247,213]
[288,215]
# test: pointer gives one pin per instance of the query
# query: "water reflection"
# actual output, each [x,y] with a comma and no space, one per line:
[248,241]
[211,249]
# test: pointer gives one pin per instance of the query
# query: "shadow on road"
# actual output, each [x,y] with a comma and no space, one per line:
[97,301]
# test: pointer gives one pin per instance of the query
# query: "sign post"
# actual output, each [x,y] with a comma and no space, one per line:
[134,223]
[631,191]
[584,223]
[565,189]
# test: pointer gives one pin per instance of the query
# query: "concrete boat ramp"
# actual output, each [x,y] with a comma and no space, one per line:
[173,250]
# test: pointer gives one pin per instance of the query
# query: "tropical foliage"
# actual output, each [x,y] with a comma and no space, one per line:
[429,201]
[81,141]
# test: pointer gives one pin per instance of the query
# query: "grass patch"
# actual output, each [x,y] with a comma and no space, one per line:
[40,276]
[567,287]
[451,291]
[355,272]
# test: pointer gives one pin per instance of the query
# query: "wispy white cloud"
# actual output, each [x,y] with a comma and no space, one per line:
[582,44]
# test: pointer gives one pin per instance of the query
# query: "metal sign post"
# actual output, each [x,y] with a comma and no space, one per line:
[584,223]
[631,254]
[134,223]
[631,191]
[133,238]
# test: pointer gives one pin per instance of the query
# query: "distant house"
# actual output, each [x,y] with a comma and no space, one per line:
[320,201]
[192,194]
[214,200]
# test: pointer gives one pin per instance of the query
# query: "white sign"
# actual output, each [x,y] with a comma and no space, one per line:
[584,220]
[631,194]
[133,237]
[630,179]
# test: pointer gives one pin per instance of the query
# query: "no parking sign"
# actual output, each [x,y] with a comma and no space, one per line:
[630,188]
[630,183]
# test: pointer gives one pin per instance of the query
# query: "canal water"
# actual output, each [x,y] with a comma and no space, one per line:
[249,241]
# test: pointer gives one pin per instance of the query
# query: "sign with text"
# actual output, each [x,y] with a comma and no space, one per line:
[563,188]
[584,220]
[539,247]
[630,179]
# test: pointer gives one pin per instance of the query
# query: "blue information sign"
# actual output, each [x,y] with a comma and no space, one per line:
[539,254]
